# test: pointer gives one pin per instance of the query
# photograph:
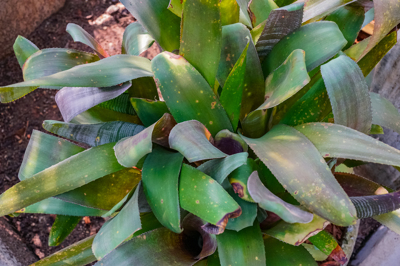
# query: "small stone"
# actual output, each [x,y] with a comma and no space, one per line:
[104,20]
[36,241]
[112,9]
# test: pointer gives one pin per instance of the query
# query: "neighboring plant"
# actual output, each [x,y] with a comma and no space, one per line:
[223,142]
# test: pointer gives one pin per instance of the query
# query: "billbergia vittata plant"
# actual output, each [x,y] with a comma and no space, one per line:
[233,146]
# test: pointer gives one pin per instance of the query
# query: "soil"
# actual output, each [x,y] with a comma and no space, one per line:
[19,118]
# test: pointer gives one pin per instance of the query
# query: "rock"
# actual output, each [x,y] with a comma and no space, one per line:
[13,251]
[22,18]
[112,9]
[103,20]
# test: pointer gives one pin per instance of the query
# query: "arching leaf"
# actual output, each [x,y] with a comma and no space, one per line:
[23,49]
[136,39]
[61,228]
[149,111]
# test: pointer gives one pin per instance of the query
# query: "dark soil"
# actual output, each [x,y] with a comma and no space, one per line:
[19,118]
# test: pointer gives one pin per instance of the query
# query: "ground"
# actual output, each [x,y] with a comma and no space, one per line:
[19,118]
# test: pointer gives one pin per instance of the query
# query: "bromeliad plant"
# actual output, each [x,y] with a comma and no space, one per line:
[228,148]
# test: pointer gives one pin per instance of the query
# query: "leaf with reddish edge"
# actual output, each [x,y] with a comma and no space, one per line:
[387,16]
[115,231]
[23,49]
[80,35]
[199,194]
[285,151]
[268,201]
[245,247]
[249,213]
[296,234]
[75,100]
[280,23]
[194,141]
[130,150]
[230,143]
[328,245]
[260,10]
[160,175]
[239,177]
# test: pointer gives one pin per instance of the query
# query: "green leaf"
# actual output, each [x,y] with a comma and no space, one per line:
[50,61]
[242,248]
[268,201]
[235,37]
[229,142]
[62,227]
[144,88]
[355,51]
[115,231]
[99,161]
[278,253]
[130,150]
[119,104]
[349,19]
[229,12]
[356,185]
[187,94]
[77,254]
[317,254]
[154,16]
[387,16]
[334,140]
[149,111]
[219,169]
[313,39]
[391,220]
[376,129]
[317,9]
[249,213]
[201,36]
[328,245]
[93,134]
[369,16]
[296,234]
[282,3]
[238,179]
[231,95]
[296,163]
[286,80]
[243,4]
[136,39]
[280,23]
[160,176]
[23,49]
[176,7]
[104,73]
[348,93]
[260,10]
[80,35]
[384,113]
[73,101]
[193,140]
[205,198]
[256,123]
[57,206]
[99,114]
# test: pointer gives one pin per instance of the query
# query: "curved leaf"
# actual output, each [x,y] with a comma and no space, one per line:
[286,80]
[75,100]
[78,254]
[149,111]
[260,10]
[80,35]
[348,93]
[242,248]
[136,39]
[23,49]
[93,134]
[229,142]
[192,139]
[231,95]
[349,18]
[98,114]
[280,23]
[235,37]
[160,176]
[188,96]
[119,104]
[61,228]
[219,169]
[384,113]
[115,231]
[238,179]
[317,254]
[356,185]
[153,15]
[313,39]
[391,220]
[104,73]
[205,198]
[296,163]
[57,206]
[296,234]
[348,143]
[201,36]
[249,213]
[50,61]
[268,201]
[281,254]
[130,150]
[329,246]
[316,9]
[99,161]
